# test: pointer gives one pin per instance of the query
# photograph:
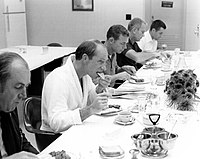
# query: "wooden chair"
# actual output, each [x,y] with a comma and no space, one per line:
[32,122]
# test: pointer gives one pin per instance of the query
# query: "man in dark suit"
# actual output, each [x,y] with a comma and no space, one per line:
[14,78]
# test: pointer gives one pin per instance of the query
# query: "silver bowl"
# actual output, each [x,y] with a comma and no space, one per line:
[153,130]
[168,140]
[141,140]
[154,145]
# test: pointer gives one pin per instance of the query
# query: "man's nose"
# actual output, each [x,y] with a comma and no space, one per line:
[103,67]
[23,94]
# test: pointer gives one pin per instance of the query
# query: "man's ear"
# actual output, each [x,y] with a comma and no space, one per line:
[134,29]
[85,57]
[153,30]
[111,40]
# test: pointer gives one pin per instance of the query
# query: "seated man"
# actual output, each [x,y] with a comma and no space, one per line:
[14,78]
[149,42]
[117,36]
[69,96]
[133,55]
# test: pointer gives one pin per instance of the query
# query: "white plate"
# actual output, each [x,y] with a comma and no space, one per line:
[116,157]
[117,121]
[109,112]
[166,70]
[152,67]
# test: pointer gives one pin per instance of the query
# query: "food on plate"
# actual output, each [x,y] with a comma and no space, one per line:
[117,106]
[151,64]
[139,80]
[60,155]
[111,151]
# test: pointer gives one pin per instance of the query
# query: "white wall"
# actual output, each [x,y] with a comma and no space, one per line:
[54,21]
[2,27]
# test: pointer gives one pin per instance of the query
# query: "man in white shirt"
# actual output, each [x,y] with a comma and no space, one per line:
[69,96]
[149,41]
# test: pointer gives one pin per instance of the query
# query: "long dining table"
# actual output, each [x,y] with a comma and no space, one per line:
[83,141]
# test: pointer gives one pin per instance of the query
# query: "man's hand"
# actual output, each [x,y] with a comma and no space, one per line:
[129,69]
[122,76]
[104,82]
[100,103]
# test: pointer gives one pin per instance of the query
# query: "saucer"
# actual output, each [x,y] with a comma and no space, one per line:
[166,69]
[117,157]
[117,121]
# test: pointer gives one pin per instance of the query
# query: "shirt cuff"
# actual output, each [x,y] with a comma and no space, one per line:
[77,118]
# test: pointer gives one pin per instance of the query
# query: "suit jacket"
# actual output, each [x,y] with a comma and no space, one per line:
[13,138]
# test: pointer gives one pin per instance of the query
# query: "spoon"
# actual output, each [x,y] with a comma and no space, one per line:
[102,76]
[171,130]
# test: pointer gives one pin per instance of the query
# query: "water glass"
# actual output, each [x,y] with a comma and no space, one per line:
[142,103]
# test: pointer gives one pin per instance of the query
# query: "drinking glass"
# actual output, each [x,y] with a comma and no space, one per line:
[142,103]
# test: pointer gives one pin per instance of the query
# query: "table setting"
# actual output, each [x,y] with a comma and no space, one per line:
[140,120]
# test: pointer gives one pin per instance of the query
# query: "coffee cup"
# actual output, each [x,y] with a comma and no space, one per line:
[125,116]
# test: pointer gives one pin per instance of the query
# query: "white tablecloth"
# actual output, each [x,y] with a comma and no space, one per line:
[83,141]
[36,57]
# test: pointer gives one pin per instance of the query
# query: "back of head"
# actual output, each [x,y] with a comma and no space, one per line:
[157,24]
[54,45]
[6,60]
[87,47]
[115,31]
[135,23]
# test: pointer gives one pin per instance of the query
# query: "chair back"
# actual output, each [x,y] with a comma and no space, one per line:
[32,113]
[32,123]
[55,63]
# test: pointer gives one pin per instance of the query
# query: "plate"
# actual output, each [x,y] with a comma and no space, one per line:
[117,121]
[166,70]
[122,154]
[117,157]
[152,67]
[109,112]
[144,82]
[129,89]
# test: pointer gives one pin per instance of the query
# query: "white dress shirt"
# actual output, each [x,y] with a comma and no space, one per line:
[147,43]
[2,148]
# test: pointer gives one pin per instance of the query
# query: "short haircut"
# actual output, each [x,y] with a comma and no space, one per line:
[136,22]
[87,47]
[157,24]
[115,31]
[6,59]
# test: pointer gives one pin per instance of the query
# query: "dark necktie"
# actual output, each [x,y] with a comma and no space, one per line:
[8,133]
[1,138]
